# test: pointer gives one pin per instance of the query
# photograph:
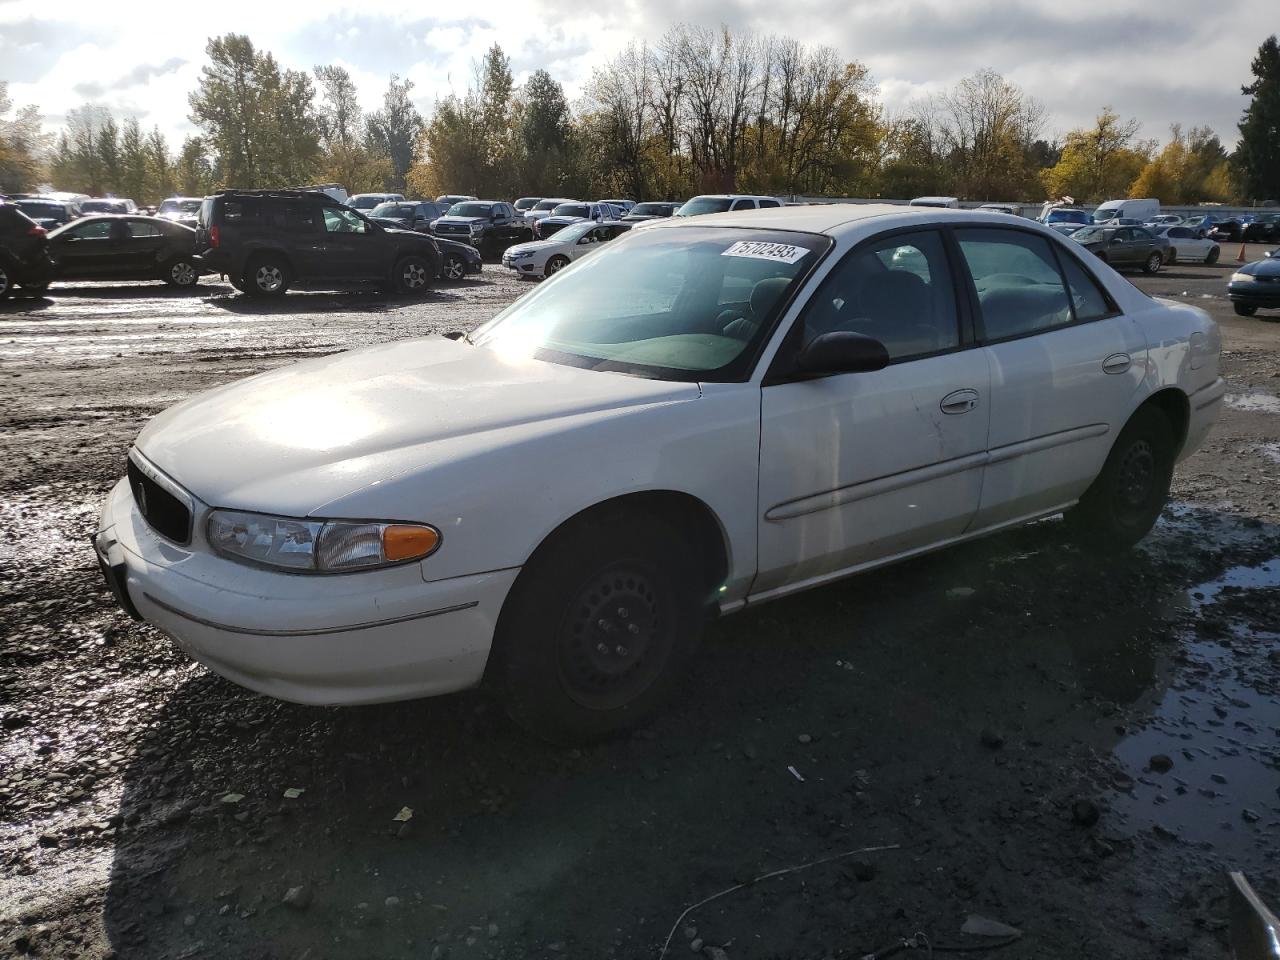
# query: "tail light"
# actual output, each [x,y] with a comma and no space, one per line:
[213,236]
[37,231]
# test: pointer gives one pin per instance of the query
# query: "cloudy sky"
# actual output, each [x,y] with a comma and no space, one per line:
[1175,60]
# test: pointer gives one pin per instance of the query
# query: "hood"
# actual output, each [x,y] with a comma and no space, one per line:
[1269,267]
[534,246]
[291,440]
[464,221]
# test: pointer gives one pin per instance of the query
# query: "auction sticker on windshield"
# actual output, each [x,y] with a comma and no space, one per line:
[759,250]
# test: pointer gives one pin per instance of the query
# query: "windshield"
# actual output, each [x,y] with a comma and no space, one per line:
[102,206]
[700,205]
[652,209]
[1102,215]
[526,203]
[398,210]
[366,203]
[548,204]
[180,206]
[1067,216]
[470,209]
[572,210]
[1090,234]
[574,232]
[37,208]
[686,304]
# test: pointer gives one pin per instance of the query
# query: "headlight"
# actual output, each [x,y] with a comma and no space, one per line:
[520,254]
[1241,278]
[476,228]
[318,546]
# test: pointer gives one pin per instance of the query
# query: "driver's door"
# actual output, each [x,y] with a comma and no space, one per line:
[859,467]
[352,246]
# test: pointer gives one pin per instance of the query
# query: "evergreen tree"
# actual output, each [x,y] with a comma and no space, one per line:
[1257,156]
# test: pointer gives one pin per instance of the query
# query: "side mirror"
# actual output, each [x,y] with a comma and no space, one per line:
[1269,253]
[842,352]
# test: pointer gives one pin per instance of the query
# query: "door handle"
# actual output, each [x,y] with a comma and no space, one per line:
[1117,363]
[959,401]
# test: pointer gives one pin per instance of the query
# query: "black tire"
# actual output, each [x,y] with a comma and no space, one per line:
[6,281]
[1123,503]
[181,272]
[1244,310]
[453,267]
[1153,263]
[555,265]
[34,289]
[1213,255]
[267,275]
[412,275]
[598,628]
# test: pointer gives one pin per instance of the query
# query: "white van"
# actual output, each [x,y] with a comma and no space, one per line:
[1139,211]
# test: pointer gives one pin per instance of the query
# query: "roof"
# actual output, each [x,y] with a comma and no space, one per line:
[818,218]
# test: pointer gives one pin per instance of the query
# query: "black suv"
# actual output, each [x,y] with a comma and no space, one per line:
[266,241]
[488,225]
[24,252]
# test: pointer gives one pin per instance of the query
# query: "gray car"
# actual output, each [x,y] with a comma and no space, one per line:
[1125,246]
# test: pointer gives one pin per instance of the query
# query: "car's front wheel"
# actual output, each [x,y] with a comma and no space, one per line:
[1153,263]
[598,628]
[1244,310]
[6,282]
[555,264]
[181,273]
[1124,501]
[413,275]
[266,276]
[453,267]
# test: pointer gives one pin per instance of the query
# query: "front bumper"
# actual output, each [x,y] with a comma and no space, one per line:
[1257,294]
[528,265]
[366,637]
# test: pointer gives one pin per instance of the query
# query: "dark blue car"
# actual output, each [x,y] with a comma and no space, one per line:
[1256,286]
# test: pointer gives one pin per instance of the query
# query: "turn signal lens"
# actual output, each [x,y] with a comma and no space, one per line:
[401,541]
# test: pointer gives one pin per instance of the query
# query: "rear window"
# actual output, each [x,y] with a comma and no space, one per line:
[10,214]
[36,209]
[572,210]
[700,205]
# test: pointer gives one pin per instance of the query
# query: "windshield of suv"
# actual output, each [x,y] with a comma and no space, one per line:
[686,304]
[700,205]
[470,209]
[525,203]
[180,206]
[400,211]
[548,204]
[571,210]
[652,209]
[366,203]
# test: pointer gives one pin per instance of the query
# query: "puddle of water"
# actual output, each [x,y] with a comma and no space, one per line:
[1254,402]
[1269,451]
[1220,725]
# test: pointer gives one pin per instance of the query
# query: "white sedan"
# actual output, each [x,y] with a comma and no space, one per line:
[541,258]
[1189,243]
[707,415]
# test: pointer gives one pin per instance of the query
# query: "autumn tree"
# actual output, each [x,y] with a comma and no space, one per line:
[1099,163]
[345,158]
[21,143]
[988,128]
[1190,168]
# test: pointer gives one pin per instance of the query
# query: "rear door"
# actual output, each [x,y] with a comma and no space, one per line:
[142,249]
[1065,364]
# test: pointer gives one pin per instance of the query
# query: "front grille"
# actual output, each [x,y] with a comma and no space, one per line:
[451,228]
[166,514]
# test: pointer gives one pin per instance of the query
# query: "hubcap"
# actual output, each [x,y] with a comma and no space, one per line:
[555,265]
[614,641]
[269,278]
[4,280]
[1136,478]
[453,268]
[1154,264]
[183,273]
[415,276]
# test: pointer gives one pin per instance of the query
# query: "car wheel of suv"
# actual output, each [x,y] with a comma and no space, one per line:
[266,276]
[1213,255]
[6,285]
[181,273]
[596,632]
[454,267]
[1123,503]
[555,265]
[413,275]
[1243,310]
[1153,263]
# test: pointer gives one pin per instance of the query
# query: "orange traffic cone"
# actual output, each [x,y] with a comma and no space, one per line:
[1240,255]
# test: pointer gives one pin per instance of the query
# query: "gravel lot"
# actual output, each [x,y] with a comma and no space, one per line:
[1079,749]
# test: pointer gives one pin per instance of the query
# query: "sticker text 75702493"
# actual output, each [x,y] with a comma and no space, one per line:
[761,250]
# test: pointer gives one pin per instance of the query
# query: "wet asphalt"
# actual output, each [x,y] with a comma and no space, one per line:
[1076,747]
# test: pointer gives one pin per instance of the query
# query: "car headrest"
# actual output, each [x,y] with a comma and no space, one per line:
[895,293]
[766,293]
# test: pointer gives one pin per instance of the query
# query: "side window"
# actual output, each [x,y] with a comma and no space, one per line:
[140,228]
[100,230]
[292,217]
[1020,290]
[770,203]
[234,211]
[743,204]
[897,290]
[341,220]
[1086,296]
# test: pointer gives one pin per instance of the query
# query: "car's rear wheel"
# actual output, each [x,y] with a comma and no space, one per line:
[181,273]
[1244,310]
[1213,255]
[6,284]
[1124,501]
[598,628]
[266,276]
[555,264]
[1153,263]
[413,275]
[454,267]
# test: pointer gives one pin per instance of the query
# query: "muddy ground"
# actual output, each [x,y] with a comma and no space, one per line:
[999,736]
